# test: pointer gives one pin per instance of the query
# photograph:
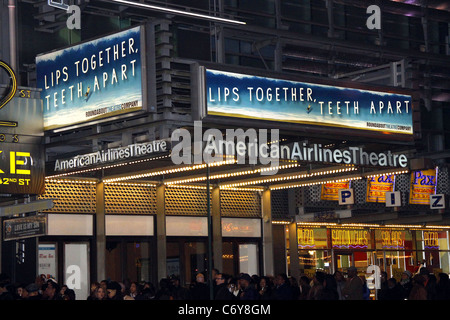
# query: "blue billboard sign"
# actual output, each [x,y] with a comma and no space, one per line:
[93,80]
[254,97]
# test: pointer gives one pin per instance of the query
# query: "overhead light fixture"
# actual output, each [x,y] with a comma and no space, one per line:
[180,12]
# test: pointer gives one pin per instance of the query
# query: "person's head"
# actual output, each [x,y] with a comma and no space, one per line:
[406,275]
[263,282]
[352,272]
[200,278]
[424,272]
[339,276]
[113,289]
[4,282]
[32,289]
[94,286]
[220,279]
[319,278]
[281,279]
[51,289]
[134,287]
[100,293]
[392,283]
[419,279]
[244,280]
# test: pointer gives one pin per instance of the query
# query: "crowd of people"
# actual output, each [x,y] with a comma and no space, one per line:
[322,286]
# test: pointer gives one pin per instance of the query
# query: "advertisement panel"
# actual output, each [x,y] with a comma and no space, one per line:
[93,80]
[254,97]
[330,191]
[378,186]
[423,183]
[22,161]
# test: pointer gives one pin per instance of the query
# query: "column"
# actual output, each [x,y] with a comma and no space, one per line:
[217,229]
[294,269]
[267,239]
[100,231]
[161,232]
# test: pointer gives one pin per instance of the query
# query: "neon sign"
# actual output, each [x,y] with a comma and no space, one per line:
[431,239]
[305,238]
[350,238]
[392,239]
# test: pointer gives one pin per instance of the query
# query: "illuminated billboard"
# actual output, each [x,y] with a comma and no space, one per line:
[261,98]
[93,80]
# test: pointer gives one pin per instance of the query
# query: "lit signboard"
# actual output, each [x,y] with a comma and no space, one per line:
[423,183]
[350,238]
[391,239]
[330,191]
[312,238]
[93,80]
[378,186]
[253,97]
[22,160]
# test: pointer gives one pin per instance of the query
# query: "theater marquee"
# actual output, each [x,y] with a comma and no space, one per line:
[261,98]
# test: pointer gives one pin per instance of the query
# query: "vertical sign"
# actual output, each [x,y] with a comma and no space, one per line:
[423,184]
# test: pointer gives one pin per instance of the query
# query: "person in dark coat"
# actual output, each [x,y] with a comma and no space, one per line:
[282,288]
[248,288]
[222,290]
[200,290]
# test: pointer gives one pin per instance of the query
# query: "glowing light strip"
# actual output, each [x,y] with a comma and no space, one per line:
[170,171]
[233,174]
[306,184]
[293,177]
[180,12]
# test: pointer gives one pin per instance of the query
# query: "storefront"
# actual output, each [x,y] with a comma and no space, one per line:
[333,247]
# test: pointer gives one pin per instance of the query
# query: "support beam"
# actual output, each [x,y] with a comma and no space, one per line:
[294,267]
[100,231]
[161,231]
[267,239]
[217,229]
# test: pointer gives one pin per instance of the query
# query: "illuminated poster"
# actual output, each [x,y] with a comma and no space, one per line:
[378,186]
[392,239]
[312,238]
[423,183]
[92,80]
[253,97]
[330,191]
[350,238]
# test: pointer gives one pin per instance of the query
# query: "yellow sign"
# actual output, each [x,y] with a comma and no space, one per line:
[392,239]
[431,239]
[305,238]
[330,191]
[423,183]
[350,238]
[378,186]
